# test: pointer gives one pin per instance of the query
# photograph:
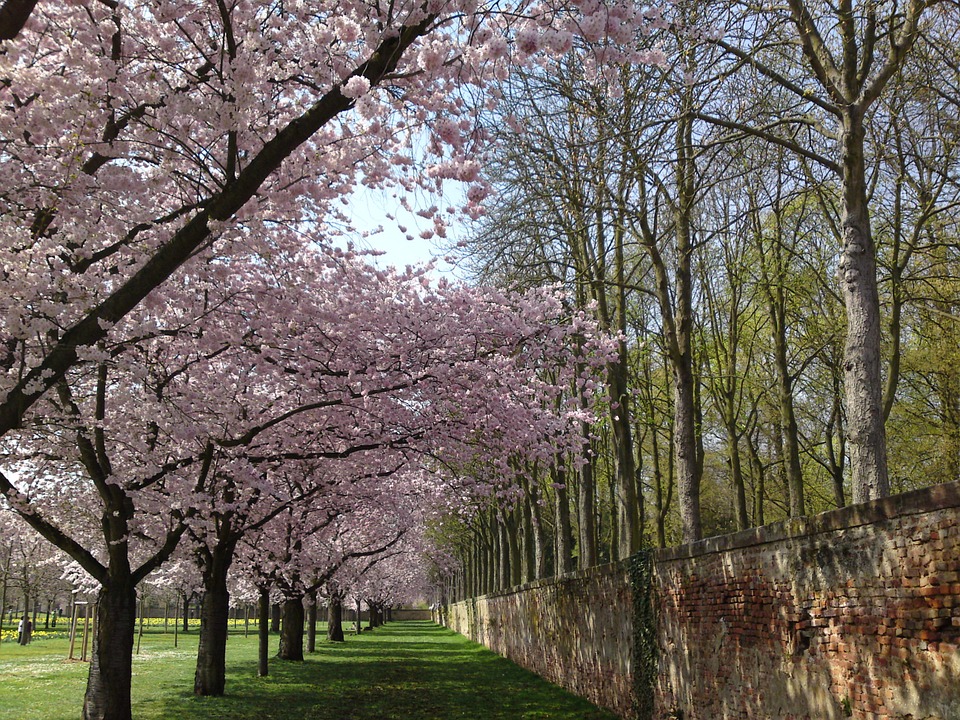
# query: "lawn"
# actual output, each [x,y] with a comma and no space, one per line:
[401,671]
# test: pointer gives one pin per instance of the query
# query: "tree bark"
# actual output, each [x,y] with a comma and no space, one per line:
[620,421]
[585,503]
[312,622]
[263,634]
[529,553]
[505,554]
[791,433]
[108,685]
[291,633]
[335,619]
[495,556]
[13,16]
[681,355]
[539,541]
[512,531]
[867,439]
[562,529]
[210,677]
[275,618]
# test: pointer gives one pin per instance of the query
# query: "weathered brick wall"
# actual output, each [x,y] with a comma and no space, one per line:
[575,631]
[853,613]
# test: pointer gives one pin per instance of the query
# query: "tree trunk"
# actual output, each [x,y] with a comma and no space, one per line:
[263,634]
[759,494]
[335,619]
[835,460]
[585,503]
[736,470]
[512,530]
[685,452]
[539,541]
[659,503]
[478,549]
[628,518]
[505,554]
[312,622]
[858,275]
[210,677]
[529,555]
[561,511]
[681,355]
[108,684]
[275,617]
[291,633]
[791,434]
[495,556]
[490,555]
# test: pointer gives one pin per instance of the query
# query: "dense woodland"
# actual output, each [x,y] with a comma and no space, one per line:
[697,209]
[715,284]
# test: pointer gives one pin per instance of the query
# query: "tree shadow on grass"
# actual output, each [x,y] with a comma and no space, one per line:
[402,671]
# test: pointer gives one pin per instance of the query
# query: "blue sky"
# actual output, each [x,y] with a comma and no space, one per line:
[370,209]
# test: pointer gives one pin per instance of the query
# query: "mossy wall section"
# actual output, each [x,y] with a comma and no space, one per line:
[575,631]
[852,613]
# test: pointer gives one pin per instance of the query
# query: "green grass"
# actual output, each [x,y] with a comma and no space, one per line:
[401,671]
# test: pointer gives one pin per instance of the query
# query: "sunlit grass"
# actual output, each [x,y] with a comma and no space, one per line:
[401,671]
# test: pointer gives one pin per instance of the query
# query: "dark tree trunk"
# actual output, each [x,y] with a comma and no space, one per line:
[210,677]
[495,556]
[512,530]
[291,634]
[13,16]
[585,500]
[736,471]
[563,538]
[312,622]
[628,518]
[108,684]
[263,616]
[275,618]
[528,549]
[335,619]
[685,405]
[505,557]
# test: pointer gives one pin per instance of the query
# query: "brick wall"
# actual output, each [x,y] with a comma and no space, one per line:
[853,613]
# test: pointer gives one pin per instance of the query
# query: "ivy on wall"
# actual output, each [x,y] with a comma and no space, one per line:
[644,634]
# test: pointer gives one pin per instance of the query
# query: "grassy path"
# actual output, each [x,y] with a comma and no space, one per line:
[401,671]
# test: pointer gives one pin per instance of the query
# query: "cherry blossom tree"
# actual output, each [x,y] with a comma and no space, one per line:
[151,145]
[419,377]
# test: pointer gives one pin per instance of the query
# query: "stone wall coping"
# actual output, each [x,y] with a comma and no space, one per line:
[928,499]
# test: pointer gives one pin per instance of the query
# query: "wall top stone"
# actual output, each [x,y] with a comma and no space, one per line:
[928,499]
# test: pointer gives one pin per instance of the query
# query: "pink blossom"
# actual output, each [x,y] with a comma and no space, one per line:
[355,87]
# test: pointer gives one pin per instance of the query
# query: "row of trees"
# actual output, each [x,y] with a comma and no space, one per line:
[301,417]
[769,225]
[39,581]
